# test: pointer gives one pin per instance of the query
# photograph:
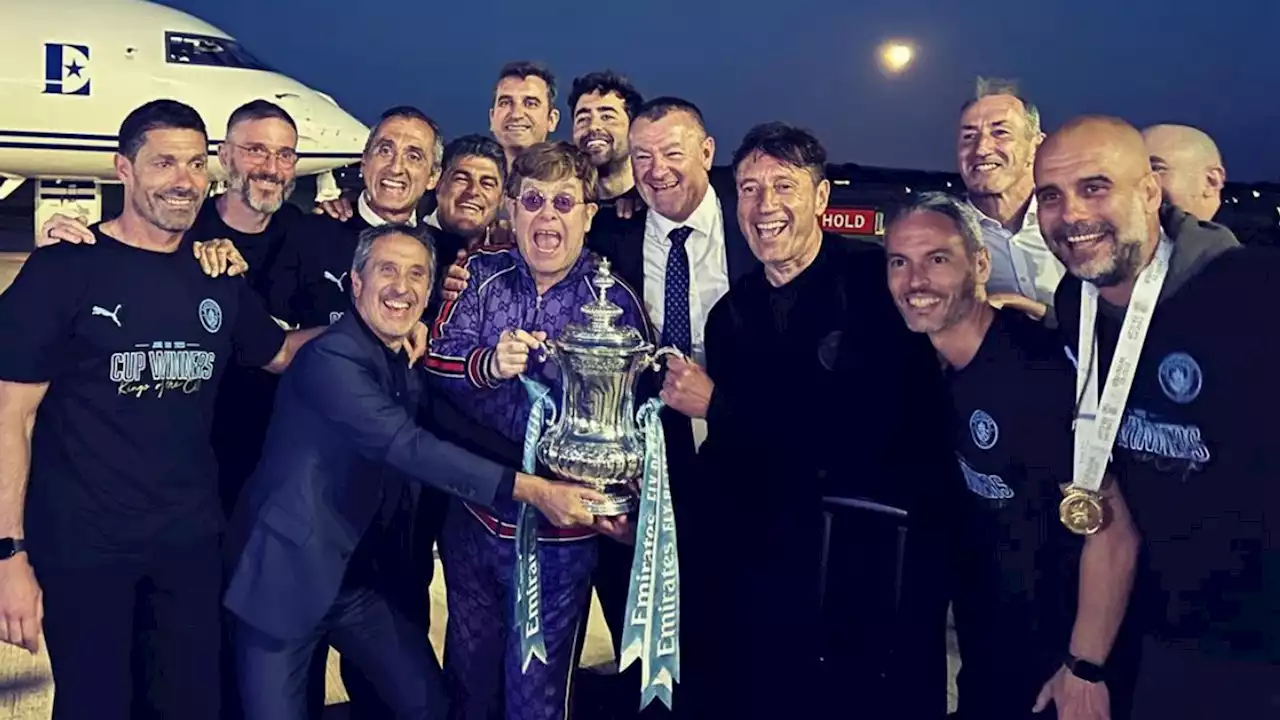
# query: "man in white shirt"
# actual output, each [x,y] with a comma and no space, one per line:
[681,251]
[995,149]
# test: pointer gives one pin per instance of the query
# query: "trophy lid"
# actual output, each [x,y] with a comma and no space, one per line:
[601,328]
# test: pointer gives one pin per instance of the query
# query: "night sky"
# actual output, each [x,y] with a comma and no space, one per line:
[810,62]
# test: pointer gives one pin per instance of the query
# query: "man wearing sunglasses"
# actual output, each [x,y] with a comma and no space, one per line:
[480,343]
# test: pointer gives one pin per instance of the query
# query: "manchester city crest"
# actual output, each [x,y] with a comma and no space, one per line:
[210,315]
[829,350]
[1180,377]
[984,430]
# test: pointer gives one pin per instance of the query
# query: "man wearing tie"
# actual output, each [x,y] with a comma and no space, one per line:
[681,252]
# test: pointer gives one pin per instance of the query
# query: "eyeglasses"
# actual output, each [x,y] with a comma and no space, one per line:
[259,154]
[564,203]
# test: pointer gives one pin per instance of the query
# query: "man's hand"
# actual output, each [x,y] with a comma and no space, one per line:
[627,206]
[687,388]
[1036,310]
[21,604]
[619,528]
[339,209]
[1074,698]
[511,354]
[415,345]
[65,228]
[220,256]
[455,279]
[562,503]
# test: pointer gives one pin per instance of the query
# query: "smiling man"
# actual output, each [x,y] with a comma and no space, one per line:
[314,541]
[1184,397]
[807,422]
[401,162]
[603,104]
[1017,588]
[524,107]
[468,200]
[995,147]
[113,354]
[480,343]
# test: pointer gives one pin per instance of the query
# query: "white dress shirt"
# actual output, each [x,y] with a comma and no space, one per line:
[1021,262]
[708,266]
[708,274]
[376,220]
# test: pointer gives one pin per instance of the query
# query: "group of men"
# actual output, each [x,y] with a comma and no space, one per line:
[1086,483]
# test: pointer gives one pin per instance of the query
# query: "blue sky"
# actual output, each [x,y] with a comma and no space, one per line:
[809,62]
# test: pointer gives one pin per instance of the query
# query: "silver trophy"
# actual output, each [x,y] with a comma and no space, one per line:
[594,440]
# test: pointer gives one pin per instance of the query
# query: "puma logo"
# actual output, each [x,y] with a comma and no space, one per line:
[113,314]
[335,280]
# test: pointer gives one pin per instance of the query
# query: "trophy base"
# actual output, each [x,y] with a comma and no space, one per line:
[620,501]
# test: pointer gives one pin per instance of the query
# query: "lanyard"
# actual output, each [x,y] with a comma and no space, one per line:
[1096,425]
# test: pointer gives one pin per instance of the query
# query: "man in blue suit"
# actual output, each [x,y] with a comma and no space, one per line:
[313,551]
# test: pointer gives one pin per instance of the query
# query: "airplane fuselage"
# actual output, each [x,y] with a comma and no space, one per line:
[70,71]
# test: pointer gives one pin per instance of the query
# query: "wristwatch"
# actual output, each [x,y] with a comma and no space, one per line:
[11,546]
[1084,669]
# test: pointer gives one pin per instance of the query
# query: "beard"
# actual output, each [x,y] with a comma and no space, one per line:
[153,208]
[263,202]
[956,307]
[1119,261]
[608,159]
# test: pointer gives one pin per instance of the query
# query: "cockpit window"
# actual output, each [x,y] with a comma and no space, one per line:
[189,49]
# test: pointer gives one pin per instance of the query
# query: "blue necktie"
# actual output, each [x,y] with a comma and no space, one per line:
[676,328]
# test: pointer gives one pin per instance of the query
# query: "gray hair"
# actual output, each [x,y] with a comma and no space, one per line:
[371,235]
[989,87]
[408,112]
[960,213]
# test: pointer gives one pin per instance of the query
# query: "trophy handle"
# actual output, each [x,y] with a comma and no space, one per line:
[652,360]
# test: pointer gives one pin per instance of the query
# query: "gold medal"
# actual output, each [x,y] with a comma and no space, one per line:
[1081,510]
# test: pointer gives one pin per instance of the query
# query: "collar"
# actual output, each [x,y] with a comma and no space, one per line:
[373,218]
[526,272]
[431,220]
[392,355]
[1030,220]
[702,220]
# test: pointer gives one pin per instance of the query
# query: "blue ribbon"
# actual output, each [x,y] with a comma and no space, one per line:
[652,631]
[528,580]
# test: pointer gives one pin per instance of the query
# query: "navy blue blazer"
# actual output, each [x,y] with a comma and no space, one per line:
[335,430]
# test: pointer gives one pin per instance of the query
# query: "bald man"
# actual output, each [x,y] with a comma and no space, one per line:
[1190,167]
[1169,303]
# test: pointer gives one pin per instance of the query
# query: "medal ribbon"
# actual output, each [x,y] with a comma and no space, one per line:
[528,580]
[652,631]
[1096,426]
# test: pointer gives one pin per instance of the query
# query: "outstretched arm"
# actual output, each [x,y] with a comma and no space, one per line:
[338,385]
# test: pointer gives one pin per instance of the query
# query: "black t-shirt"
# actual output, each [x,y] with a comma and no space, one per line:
[260,250]
[1200,464]
[246,394]
[1014,445]
[309,284]
[133,344]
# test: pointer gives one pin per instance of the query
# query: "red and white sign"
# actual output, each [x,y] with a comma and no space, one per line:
[852,221]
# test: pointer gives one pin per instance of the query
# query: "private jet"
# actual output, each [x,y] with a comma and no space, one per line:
[71,70]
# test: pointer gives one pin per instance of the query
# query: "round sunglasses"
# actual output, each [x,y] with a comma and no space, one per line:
[533,201]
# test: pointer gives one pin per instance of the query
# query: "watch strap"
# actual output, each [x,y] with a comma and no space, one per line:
[1085,670]
[11,546]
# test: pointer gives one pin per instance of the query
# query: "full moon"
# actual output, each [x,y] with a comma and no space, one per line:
[896,56]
